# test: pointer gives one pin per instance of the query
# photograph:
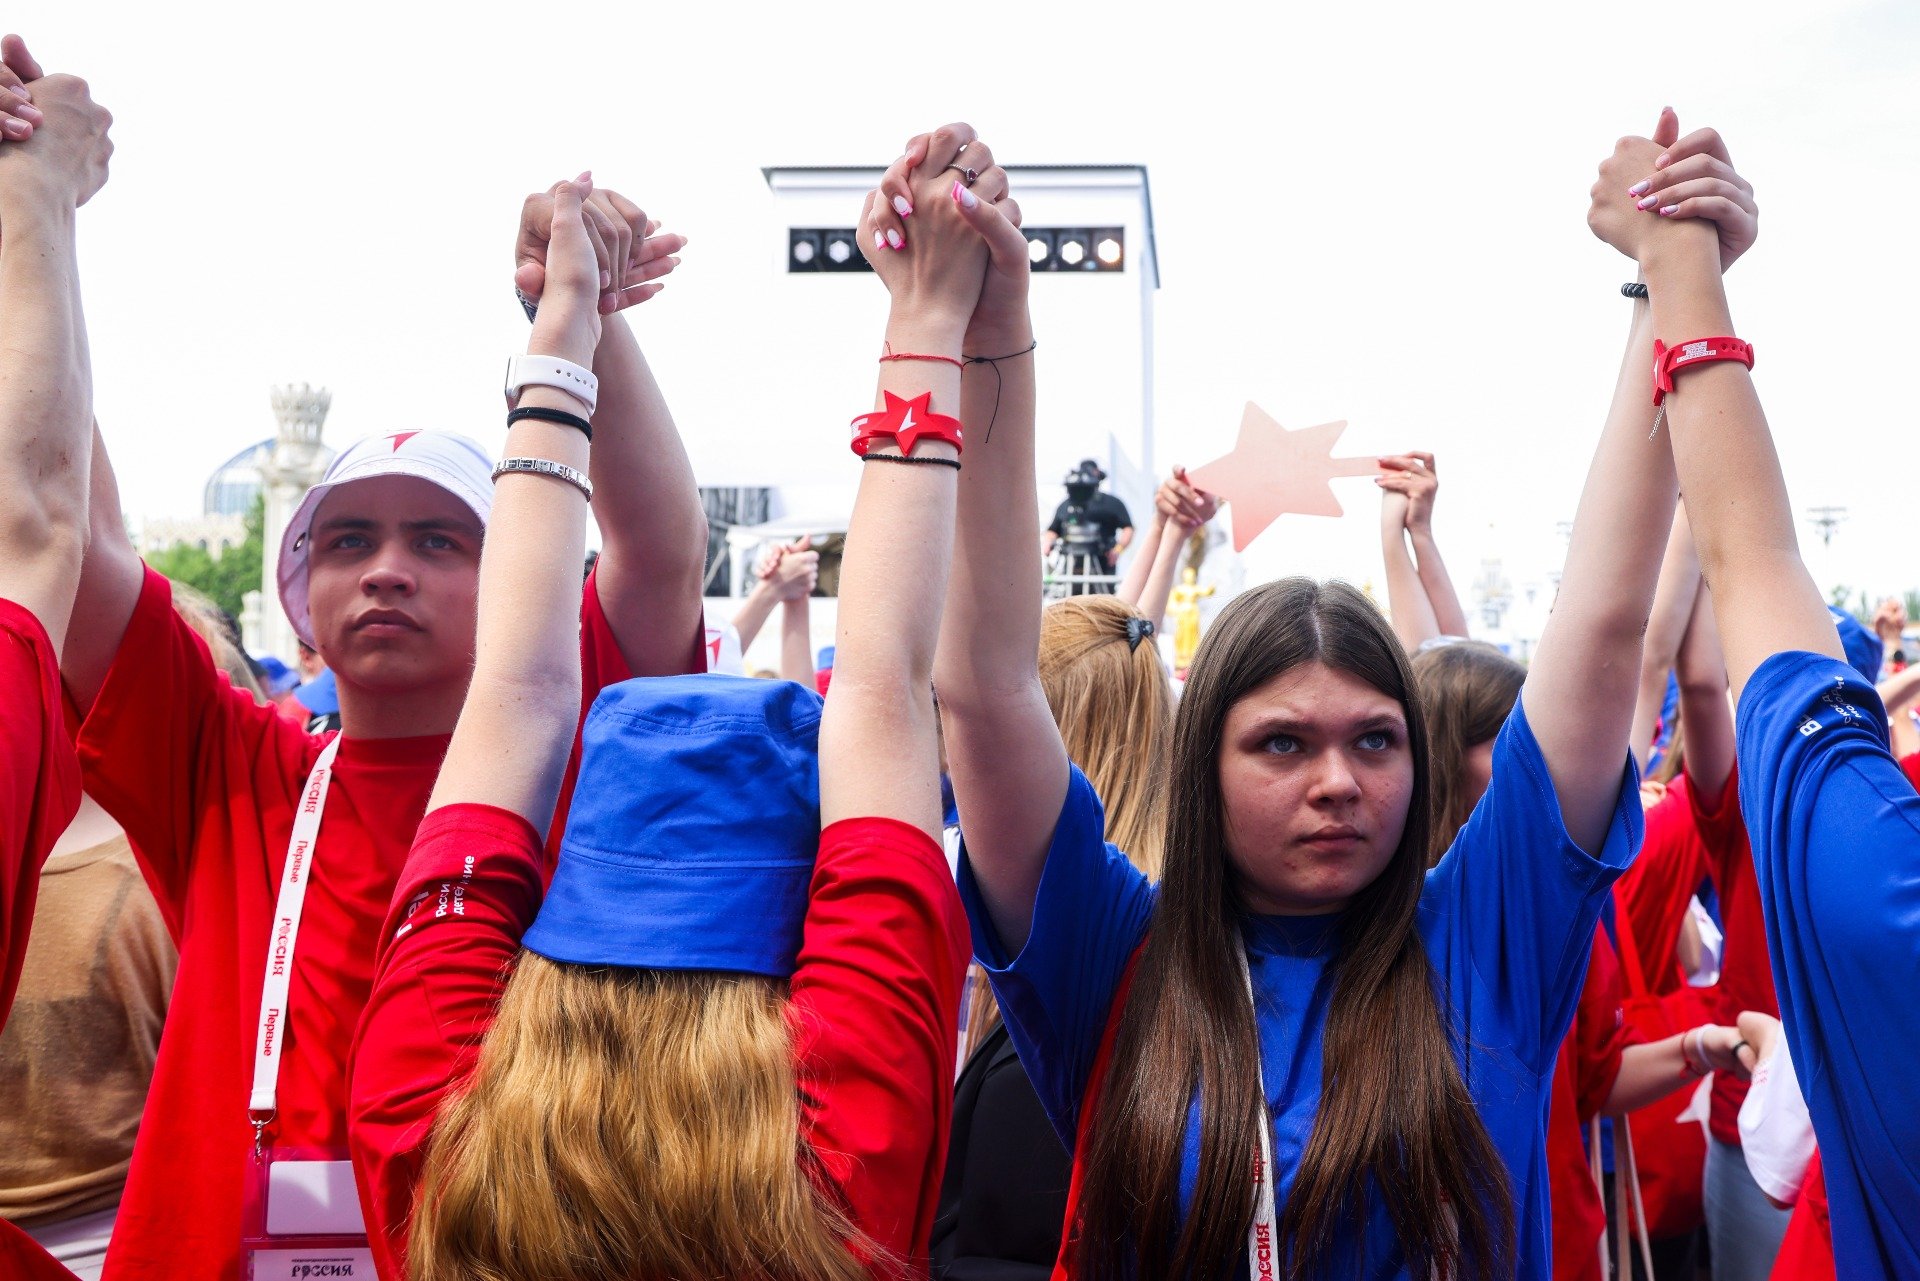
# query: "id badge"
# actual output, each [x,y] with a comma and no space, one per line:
[302,1219]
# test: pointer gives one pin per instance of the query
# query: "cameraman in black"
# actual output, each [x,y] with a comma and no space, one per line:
[1091,527]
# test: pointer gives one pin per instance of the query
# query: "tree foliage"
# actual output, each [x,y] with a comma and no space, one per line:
[227,578]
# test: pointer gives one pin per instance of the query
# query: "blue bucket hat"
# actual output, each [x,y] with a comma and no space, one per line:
[1863,648]
[693,831]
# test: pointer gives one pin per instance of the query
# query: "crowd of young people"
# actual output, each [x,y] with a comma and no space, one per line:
[1340,965]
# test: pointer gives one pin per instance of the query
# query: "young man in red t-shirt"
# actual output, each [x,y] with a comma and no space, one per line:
[380,573]
[46,413]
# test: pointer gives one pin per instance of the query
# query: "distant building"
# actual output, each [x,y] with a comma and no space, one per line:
[234,486]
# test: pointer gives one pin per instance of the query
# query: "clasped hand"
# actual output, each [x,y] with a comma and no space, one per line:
[943,235]
[55,144]
[1651,190]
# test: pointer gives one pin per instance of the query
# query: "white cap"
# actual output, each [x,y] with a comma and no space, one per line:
[454,463]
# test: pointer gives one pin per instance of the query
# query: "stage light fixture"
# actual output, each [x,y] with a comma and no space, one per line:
[1108,251]
[1039,247]
[803,251]
[823,249]
[1073,249]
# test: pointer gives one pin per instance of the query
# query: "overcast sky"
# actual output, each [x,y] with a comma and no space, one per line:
[1364,212]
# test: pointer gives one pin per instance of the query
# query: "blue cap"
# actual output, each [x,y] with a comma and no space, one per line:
[1863,648]
[824,661]
[321,695]
[693,831]
[280,677]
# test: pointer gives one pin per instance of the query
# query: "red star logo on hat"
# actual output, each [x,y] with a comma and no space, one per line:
[400,438]
[1272,470]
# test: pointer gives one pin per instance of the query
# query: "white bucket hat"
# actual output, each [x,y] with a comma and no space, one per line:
[454,463]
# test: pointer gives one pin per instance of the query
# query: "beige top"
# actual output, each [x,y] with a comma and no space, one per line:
[79,1045]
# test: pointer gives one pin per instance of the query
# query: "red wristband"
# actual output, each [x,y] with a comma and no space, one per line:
[906,423]
[1668,361]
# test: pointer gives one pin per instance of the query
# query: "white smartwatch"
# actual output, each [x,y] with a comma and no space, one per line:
[551,371]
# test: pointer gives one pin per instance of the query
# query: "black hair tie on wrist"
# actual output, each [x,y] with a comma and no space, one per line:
[917,462]
[542,414]
[1633,289]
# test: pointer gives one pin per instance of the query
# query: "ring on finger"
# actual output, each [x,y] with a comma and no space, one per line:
[971,175]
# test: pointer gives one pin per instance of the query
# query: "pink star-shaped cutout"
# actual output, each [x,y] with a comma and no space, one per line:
[1272,471]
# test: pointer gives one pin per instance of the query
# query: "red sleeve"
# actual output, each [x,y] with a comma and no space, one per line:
[1806,1252]
[1655,890]
[1600,1029]
[470,888]
[23,1259]
[602,664]
[1718,817]
[167,735]
[39,779]
[876,1010]
[1910,765]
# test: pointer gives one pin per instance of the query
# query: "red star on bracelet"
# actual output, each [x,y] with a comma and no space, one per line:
[906,423]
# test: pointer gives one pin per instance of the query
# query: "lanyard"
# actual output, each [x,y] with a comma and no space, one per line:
[270,1037]
[1260,1237]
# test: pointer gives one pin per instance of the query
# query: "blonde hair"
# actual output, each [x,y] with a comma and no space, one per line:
[1115,711]
[627,1123]
[1114,707]
[1468,690]
[209,622]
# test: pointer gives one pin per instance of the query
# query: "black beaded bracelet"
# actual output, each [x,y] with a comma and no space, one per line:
[917,462]
[1633,289]
[545,415]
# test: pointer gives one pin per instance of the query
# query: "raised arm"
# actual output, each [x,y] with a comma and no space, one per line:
[1764,599]
[1419,478]
[1704,709]
[510,746]
[46,384]
[1579,694]
[1146,552]
[1407,603]
[1004,753]
[878,743]
[110,569]
[1673,599]
[652,528]
[1185,509]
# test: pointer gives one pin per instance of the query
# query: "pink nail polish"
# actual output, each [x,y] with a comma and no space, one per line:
[895,239]
[1640,188]
[1648,203]
[879,240]
[901,207]
[1667,211]
[967,199]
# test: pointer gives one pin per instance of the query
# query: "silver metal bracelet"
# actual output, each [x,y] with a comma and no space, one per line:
[546,467]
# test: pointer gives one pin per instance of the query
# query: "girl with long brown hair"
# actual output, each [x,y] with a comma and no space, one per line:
[1302,1053]
[722,1044]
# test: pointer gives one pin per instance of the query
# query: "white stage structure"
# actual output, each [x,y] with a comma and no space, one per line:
[1096,271]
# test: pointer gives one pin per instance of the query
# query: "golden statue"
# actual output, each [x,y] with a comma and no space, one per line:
[1186,617]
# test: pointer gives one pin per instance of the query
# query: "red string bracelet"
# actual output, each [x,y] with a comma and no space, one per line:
[888,354]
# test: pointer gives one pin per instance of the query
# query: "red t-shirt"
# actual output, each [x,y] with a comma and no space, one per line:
[205,782]
[39,795]
[1653,893]
[1806,1252]
[1746,973]
[875,1011]
[1583,1077]
[1911,765]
